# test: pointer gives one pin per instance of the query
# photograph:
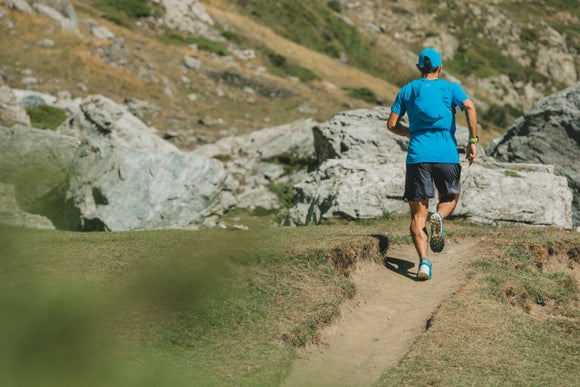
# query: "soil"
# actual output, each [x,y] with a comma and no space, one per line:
[390,310]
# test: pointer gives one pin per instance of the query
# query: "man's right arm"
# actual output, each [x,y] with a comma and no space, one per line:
[395,126]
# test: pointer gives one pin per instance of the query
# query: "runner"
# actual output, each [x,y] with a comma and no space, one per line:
[432,157]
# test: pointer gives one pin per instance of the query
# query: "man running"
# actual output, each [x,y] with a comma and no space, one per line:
[432,157]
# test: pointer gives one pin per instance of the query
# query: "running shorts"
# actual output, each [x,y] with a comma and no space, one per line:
[422,179]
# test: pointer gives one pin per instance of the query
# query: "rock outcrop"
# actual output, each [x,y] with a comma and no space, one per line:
[262,158]
[116,188]
[11,113]
[101,116]
[36,162]
[106,170]
[548,134]
[111,173]
[362,176]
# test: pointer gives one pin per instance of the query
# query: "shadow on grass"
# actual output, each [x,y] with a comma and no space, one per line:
[399,266]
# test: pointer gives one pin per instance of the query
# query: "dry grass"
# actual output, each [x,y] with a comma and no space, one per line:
[516,322]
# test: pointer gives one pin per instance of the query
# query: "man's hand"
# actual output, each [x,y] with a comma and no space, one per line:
[471,152]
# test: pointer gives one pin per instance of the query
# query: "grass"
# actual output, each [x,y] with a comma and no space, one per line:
[46,117]
[230,307]
[313,24]
[213,306]
[517,322]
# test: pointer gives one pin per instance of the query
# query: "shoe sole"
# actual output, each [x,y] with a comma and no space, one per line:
[437,240]
[424,276]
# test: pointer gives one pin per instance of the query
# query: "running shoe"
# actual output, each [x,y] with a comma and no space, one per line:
[437,240]
[425,271]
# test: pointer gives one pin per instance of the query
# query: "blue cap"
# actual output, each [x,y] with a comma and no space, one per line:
[433,56]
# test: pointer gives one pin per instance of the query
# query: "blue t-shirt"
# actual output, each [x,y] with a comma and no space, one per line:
[430,105]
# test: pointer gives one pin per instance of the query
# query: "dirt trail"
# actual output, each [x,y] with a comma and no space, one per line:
[388,313]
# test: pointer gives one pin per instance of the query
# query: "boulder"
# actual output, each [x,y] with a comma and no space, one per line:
[189,16]
[117,188]
[358,134]
[36,163]
[510,194]
[351,189]
[11,214]
[362,176]
[102,116]
[11,112]
[262,158]
[548,134]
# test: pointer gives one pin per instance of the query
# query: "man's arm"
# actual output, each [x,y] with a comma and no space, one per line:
[395,126]
[471,117]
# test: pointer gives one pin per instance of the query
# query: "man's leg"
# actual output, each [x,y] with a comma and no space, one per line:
[419,212]
[447,204]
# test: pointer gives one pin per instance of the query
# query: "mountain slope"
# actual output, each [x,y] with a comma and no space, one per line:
[199,71]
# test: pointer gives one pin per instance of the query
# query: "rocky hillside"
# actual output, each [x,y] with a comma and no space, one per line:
[198,71]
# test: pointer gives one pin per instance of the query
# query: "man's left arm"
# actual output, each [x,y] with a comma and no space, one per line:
[471,117]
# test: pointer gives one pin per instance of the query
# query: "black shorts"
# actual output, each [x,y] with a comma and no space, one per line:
[421,180]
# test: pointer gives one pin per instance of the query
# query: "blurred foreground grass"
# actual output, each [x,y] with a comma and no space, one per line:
[170,307]
[229,307]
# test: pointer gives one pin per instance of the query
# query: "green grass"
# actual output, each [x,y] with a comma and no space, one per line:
[280,65]
[363,93]
[210,307]
[46,117]
[202,43]
[229,307]
[314,24]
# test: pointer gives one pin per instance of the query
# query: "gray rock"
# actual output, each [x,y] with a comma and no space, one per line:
[255,161]
[346,188]
[358,134]
[46,43]
[36,163]
[515,195]
[362,176]
[11,214]
[113,187]
[11,112]
[19,5]
[59,10]
[189,16]
[548,134]
[101,116]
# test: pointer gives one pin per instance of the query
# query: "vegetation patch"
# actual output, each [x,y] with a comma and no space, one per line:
[167,307]
[200,42]
[234,79]
[123,12]
[365,94]
[46,117]
[315,25]
[280,65]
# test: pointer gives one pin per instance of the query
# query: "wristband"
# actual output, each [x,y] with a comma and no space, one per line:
[473,140]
